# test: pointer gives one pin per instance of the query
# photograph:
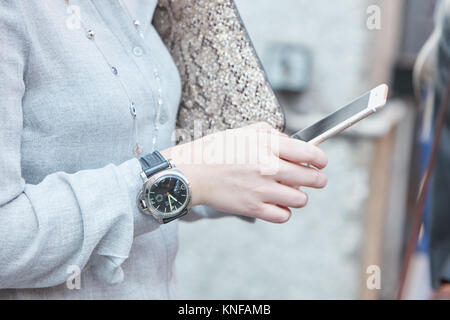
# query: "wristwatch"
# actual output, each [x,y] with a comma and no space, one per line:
[165,194]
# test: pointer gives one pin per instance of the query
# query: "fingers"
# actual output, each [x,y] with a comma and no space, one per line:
[275,207]
[285,196]
[273,213]
[295,175]
[298,151]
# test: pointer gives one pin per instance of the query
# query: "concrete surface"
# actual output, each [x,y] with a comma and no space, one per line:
[313,256]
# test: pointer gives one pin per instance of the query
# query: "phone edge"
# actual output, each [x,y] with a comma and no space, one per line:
[377,99]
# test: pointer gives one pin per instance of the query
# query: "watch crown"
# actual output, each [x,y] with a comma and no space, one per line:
[144,176]
[143,204]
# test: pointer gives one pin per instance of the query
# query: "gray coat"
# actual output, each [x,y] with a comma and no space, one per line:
[68,179]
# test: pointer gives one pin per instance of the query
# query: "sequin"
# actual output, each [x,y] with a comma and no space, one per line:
[224,85]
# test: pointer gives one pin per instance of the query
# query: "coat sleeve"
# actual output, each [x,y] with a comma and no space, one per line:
[201,212]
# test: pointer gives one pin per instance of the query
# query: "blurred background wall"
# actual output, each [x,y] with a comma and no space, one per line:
[320,55]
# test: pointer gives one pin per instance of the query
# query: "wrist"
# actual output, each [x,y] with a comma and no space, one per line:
[192,172]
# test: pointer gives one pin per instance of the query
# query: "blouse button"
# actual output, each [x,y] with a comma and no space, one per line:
[137,51]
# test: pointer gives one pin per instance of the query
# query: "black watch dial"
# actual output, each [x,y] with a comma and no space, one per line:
[169,194]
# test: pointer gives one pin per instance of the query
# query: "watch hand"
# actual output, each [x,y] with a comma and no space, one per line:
[169,195]
[170,203]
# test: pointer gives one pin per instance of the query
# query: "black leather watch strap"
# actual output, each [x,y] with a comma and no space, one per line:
[153,162]
[182,213]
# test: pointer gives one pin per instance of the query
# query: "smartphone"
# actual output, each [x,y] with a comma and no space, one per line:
[345,117]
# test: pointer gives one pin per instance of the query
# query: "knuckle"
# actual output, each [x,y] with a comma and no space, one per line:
[268,165]
[259,192]
[315,153]
[254,207]
[315,177]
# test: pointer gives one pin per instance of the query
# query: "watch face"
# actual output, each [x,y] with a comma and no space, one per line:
[168,194]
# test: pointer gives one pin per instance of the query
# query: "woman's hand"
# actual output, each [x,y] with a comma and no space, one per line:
[254,171]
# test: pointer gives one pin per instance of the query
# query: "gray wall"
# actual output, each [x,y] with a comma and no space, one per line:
[317,253]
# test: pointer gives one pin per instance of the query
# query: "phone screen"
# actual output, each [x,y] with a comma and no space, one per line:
[333,119]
